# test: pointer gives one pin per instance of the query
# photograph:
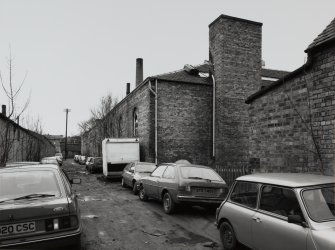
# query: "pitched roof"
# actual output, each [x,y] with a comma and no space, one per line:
[326,37]
[184,76]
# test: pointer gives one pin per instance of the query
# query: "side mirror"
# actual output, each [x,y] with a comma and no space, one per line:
[296,219]
[75,181]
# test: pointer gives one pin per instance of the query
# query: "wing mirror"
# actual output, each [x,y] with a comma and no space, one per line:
[296,219]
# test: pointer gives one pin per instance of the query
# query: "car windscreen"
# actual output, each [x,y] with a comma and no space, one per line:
[25,183]
[145,168]
[320,203]
[188,172]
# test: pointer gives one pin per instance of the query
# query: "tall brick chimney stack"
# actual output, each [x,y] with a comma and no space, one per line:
[139,71]
[235,46]
[3,110]
[128,88]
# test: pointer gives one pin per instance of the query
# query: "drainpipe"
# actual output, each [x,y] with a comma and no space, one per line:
[155,94]
[214,86]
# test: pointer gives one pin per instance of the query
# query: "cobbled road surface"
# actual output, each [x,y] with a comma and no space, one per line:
[114,218]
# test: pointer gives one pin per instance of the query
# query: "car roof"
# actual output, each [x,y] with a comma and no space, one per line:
[40,166]
[288,179]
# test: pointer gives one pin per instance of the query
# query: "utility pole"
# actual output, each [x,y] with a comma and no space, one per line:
[67,111]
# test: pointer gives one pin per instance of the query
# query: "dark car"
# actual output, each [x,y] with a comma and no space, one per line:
[38,209]
[94,165]
[183,183]
[134,171]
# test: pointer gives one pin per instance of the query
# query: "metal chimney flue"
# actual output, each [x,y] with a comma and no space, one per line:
[128,88]
[139,71]
[3,110]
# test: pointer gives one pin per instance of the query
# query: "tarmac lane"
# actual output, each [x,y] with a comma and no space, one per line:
[114,218]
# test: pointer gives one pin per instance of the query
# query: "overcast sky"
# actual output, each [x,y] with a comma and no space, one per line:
[76,51]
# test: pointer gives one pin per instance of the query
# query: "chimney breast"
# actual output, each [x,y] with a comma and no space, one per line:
[139,71]
[128,88]
[3,111]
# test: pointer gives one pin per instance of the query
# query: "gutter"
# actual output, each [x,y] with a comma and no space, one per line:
[156,95]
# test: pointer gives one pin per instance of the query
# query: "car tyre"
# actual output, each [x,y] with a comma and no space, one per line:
[227,235]
[135,190]
[142,195]
[123,184]
[169,205]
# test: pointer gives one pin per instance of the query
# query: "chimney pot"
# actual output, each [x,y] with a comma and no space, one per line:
[139,71]
[3,110]
[128,88]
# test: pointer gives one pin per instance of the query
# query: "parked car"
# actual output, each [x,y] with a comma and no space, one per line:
[82,160]
[176,183]
[59,157]
[38,208]
[134,171]
[95,165]
[50,160]
[87,161]
[76,158]
[279,211]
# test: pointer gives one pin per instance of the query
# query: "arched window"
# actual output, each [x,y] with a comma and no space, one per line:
[120,127]
[135,122]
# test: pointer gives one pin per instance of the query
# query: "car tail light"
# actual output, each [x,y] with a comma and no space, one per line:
[61,223]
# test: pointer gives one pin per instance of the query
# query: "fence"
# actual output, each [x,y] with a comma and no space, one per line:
[229,174]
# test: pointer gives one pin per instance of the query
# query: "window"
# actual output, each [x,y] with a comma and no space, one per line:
[169,173]
[135,122]
[278,200]
[159,171]
[245,193]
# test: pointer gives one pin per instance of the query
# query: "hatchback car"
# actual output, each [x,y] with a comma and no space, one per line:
[38,209]
[279,211]
[176,183]
[134,171]
[94,165]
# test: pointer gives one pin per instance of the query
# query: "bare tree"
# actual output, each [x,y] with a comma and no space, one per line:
[96,128]
[7,134]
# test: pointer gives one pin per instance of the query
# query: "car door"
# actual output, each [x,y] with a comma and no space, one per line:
[270,226]
[152,183]
[168,181]
[240,209]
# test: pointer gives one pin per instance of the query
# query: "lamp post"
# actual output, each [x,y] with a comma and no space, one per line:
[66,111]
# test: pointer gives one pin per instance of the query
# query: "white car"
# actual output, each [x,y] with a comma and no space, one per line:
[279,211]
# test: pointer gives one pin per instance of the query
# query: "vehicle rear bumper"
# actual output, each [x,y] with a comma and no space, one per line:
[68,240]
[199,200]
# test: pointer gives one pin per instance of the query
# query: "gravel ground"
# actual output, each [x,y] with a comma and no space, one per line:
[114,218]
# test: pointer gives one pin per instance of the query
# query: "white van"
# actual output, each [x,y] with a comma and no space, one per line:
[117,153]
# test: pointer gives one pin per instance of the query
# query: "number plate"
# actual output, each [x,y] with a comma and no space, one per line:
[17,228]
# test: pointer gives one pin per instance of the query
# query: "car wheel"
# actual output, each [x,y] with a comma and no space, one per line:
[168,203]
[228,238]
[123,184]
[135,190]
[142,195]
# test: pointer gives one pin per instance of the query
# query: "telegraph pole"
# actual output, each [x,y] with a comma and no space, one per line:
[66,111]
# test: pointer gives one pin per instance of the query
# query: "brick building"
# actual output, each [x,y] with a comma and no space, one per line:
[230,112]
[293,119]
[20,144]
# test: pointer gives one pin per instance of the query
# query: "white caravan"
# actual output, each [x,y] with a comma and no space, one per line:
[117,153]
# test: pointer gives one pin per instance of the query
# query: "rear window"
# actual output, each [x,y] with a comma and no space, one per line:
[145,168]
[17,184]
[189,172]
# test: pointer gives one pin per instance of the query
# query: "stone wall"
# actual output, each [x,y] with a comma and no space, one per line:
[291,121]
[184,122]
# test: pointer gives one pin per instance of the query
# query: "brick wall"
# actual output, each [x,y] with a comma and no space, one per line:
[281,137]
[184,122]
[235,51]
